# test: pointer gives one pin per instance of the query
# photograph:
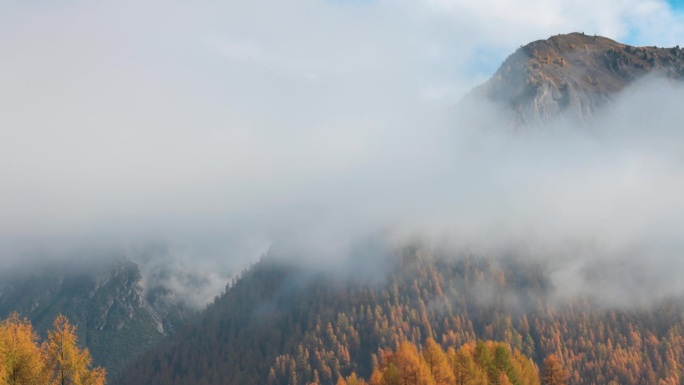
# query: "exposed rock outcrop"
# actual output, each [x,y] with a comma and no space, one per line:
[573,77]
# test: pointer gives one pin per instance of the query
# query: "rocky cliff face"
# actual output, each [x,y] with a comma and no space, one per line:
[115,317]
[573,77]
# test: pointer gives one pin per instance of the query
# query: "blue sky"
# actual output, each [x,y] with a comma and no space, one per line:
[678,4]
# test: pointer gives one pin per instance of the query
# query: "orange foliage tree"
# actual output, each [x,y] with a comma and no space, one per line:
[552,372]
[21,358]
[58,361]
[482,363]
[66,363]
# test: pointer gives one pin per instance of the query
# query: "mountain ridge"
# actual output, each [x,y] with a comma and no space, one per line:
[573,77]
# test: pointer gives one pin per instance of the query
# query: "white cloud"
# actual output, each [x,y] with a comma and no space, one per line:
[308,120]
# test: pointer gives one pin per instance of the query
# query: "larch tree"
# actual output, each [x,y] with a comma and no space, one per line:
[406,366]
[437,362]
[21,359]
[352,379]
[67,364]
[552,372]
[504,363]
[503,379]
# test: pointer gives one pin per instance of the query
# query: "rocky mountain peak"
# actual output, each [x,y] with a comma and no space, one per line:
[573,76]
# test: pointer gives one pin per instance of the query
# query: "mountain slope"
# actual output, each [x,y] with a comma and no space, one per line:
[115,319]
[573,76]
[279,325]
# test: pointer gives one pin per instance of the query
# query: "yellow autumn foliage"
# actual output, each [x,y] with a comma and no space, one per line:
[57,361]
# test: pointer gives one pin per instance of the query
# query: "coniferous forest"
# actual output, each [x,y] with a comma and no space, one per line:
[279,325]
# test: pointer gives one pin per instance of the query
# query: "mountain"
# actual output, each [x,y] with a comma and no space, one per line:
[104,298]
[573,77]
[286,324]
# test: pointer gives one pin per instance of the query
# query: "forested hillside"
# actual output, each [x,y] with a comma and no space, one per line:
[104,298]
[279,325]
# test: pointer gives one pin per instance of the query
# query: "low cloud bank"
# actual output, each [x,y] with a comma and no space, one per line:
[225,140]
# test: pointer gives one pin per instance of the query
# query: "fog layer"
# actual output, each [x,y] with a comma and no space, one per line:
[226,130]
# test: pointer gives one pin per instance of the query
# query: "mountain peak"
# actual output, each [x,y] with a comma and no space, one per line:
[573,76]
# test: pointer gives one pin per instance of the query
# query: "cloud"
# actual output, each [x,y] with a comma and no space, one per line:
[228,128]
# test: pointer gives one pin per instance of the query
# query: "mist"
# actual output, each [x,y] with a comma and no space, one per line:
[227,131]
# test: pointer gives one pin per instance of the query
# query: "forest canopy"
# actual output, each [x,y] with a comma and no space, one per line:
[473,363]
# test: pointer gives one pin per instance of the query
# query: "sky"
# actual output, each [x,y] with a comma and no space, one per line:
[676,4]
[226,127]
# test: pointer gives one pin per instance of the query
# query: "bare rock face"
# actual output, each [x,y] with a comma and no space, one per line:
[573,77]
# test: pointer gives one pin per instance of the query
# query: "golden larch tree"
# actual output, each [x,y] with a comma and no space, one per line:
[21,359]
[463,365]
[352,379]
[552,372]
[67,364]
[437,362]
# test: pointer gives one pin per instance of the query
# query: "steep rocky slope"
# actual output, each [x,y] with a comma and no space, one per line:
[104,299]
[573,77]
